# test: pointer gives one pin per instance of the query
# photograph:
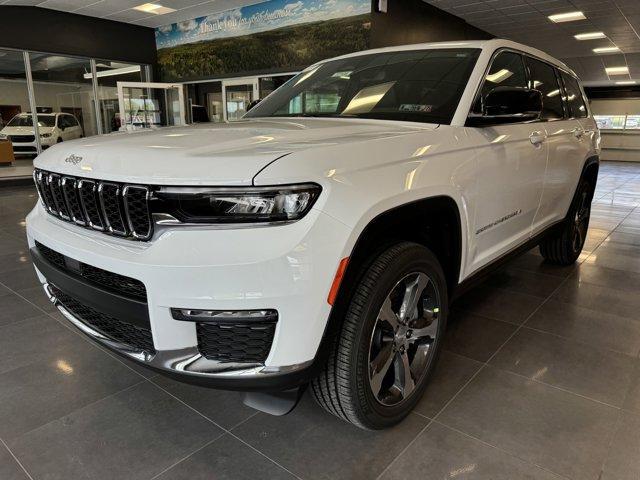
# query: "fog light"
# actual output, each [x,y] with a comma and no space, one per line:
[224,316]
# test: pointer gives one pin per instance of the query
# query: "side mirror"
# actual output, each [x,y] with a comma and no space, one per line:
[508,105]
[253,104]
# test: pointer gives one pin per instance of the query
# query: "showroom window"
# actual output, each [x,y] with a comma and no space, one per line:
[73,97]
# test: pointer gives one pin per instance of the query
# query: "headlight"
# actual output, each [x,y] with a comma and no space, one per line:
[236,204]
[45,135]
[3,136]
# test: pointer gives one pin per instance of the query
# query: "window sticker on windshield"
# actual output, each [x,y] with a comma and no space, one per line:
[415,107]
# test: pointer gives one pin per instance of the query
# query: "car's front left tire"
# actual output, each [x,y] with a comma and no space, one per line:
[382,358]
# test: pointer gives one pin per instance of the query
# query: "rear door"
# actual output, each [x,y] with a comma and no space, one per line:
[565,138]
[511,160]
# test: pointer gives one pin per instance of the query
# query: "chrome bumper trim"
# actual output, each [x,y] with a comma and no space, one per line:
[187,361]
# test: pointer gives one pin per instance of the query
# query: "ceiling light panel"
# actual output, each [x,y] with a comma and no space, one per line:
[567,17]
[617,70]
[154,8]
[606,50]
[590,36]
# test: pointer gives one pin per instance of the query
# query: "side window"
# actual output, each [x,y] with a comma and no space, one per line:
[577,106]
[507,70]
[544,79]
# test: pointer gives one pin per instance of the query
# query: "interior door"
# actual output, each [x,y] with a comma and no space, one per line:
[510,162]
[148,104]
[237,95]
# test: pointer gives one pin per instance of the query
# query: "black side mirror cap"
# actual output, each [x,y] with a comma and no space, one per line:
[508,105]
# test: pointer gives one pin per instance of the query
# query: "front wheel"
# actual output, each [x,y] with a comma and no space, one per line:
[381,361]
[565,247]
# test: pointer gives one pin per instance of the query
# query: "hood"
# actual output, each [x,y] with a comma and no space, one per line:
[208,154]
[21,130]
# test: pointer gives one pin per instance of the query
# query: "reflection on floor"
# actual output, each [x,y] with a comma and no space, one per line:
[540,379]
[22,167]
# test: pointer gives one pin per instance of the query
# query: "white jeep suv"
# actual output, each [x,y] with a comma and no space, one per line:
[320,240]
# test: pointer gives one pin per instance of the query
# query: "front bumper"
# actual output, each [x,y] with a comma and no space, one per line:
[288,268]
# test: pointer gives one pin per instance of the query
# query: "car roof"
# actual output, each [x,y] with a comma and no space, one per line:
[490,45]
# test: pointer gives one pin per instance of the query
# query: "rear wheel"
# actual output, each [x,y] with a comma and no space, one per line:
[565,247]
[381,361]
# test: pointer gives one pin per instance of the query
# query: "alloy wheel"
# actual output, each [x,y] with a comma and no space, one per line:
[581,222]
[402,344]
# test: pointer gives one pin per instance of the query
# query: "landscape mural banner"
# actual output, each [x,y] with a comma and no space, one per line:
[275,35]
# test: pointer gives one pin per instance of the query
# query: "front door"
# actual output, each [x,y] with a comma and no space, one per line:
[510,163]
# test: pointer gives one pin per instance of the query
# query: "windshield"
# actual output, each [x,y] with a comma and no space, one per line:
[420,86]
[26,121]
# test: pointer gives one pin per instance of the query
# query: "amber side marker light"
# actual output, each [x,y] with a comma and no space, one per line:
[337,280]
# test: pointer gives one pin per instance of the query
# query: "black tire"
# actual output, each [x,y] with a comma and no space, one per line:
[565,247]
[343,388]
[59,140]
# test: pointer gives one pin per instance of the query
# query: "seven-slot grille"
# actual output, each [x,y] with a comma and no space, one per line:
[115,208]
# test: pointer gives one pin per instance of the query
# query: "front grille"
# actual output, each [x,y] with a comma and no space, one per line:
[244,342]
[109,326]
[114,282]
[22,138]
[115,208]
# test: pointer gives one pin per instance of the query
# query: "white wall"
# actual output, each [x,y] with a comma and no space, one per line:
[619,145]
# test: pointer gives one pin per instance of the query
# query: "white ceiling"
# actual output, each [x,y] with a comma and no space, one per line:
[526,21]
[122,10]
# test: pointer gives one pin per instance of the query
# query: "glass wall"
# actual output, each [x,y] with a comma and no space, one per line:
[64,97]
[14,108]
[61,91]
[108,75]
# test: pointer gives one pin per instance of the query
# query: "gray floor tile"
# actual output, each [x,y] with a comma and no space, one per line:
[499,304]
[632,400]
[623,461]
[17,259]
[314,444]
[451,373]
[475,336]
[9,468]
[522,281]
[37,296]
[34,340]
[14,309]
[533,262]
[616,258]
[227,458]
[588,326]
[556,430]
[589,272]
[41,392]
[442,453]
[223,407]
[580,368]
[626,238]
[602,299]
[19,278]
[134,434]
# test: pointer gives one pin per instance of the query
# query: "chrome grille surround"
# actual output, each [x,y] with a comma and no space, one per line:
[114,208]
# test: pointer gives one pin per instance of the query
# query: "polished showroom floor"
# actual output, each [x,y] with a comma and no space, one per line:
[540,379]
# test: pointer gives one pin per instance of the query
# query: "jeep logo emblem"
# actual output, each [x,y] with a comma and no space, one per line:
[75,159]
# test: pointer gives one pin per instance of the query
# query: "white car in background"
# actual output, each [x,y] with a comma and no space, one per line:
[53,127]
[320,240]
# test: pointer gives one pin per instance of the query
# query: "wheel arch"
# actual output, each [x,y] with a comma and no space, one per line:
[414,221]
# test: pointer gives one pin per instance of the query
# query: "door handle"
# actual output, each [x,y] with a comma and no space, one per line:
[537,138]
[578,132]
